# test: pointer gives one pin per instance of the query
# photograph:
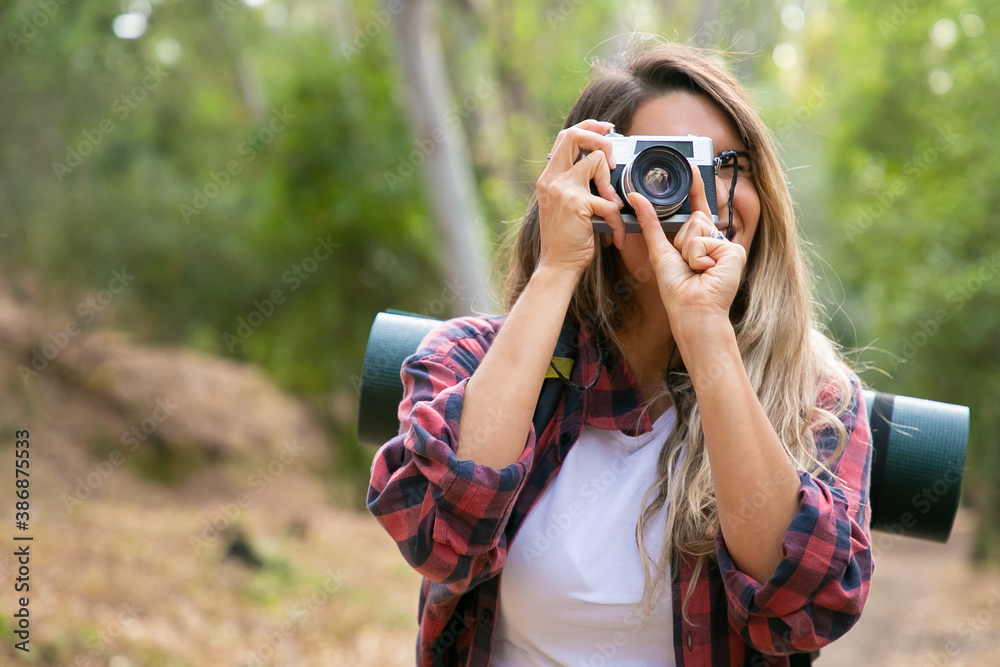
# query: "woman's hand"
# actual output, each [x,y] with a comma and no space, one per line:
[698,274]
[565,202]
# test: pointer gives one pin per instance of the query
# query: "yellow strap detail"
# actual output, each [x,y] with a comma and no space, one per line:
[564,365]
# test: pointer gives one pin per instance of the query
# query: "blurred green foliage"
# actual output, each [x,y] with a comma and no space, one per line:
[306,135]
[913,197]
[236,162]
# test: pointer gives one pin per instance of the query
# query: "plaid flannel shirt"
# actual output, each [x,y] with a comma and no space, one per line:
[453,520]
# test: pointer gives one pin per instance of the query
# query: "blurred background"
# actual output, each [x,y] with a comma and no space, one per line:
[203,205]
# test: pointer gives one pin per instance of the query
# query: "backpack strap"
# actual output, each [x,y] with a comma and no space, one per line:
[563,359]
[558,365]
[802,659]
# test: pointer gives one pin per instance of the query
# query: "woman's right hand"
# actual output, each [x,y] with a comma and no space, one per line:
[565,202]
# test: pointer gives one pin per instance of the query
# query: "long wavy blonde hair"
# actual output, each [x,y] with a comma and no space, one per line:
[786,355]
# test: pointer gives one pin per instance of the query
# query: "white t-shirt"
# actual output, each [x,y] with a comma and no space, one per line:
[572,583]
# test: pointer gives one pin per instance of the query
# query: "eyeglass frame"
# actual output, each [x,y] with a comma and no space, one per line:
[721,160]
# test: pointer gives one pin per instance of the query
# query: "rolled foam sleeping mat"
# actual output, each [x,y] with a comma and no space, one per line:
[394,337]
[917,464]
[919,445]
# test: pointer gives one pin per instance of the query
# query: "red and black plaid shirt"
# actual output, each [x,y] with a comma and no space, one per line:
[453,520]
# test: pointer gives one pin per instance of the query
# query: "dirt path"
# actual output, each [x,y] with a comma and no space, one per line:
[127,571]
[138,575]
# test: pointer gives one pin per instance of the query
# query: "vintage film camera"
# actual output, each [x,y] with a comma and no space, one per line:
[659,169]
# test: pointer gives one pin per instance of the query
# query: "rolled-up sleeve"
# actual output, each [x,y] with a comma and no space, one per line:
[446,515]
[818,590]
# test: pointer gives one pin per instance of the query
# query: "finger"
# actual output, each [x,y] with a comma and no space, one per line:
[652,232]
[598,126]
[612,215]
[608,206]
[731,257]
[601,127]
[697,226]
[584,136]
[594,168]
[698,252]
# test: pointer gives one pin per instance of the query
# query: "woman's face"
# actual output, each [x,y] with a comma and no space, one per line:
[684,113]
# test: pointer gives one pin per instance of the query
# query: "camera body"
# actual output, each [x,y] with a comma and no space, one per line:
[658,168]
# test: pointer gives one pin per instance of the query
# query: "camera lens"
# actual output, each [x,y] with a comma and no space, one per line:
[657,181]
[662,175]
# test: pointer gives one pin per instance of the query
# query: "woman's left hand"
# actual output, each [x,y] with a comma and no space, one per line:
[698,274]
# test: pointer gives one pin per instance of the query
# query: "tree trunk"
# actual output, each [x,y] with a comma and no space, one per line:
[447,168]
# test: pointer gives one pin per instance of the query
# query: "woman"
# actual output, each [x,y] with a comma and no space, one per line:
[699,496]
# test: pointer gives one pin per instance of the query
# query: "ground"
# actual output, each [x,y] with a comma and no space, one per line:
[138,572]
[242,556]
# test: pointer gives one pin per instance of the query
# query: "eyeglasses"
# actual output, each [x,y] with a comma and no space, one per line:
[733,163]
[729,166]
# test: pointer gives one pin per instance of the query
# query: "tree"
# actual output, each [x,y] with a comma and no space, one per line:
[440,147]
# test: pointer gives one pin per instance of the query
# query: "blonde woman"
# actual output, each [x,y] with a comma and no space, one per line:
[699,495]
